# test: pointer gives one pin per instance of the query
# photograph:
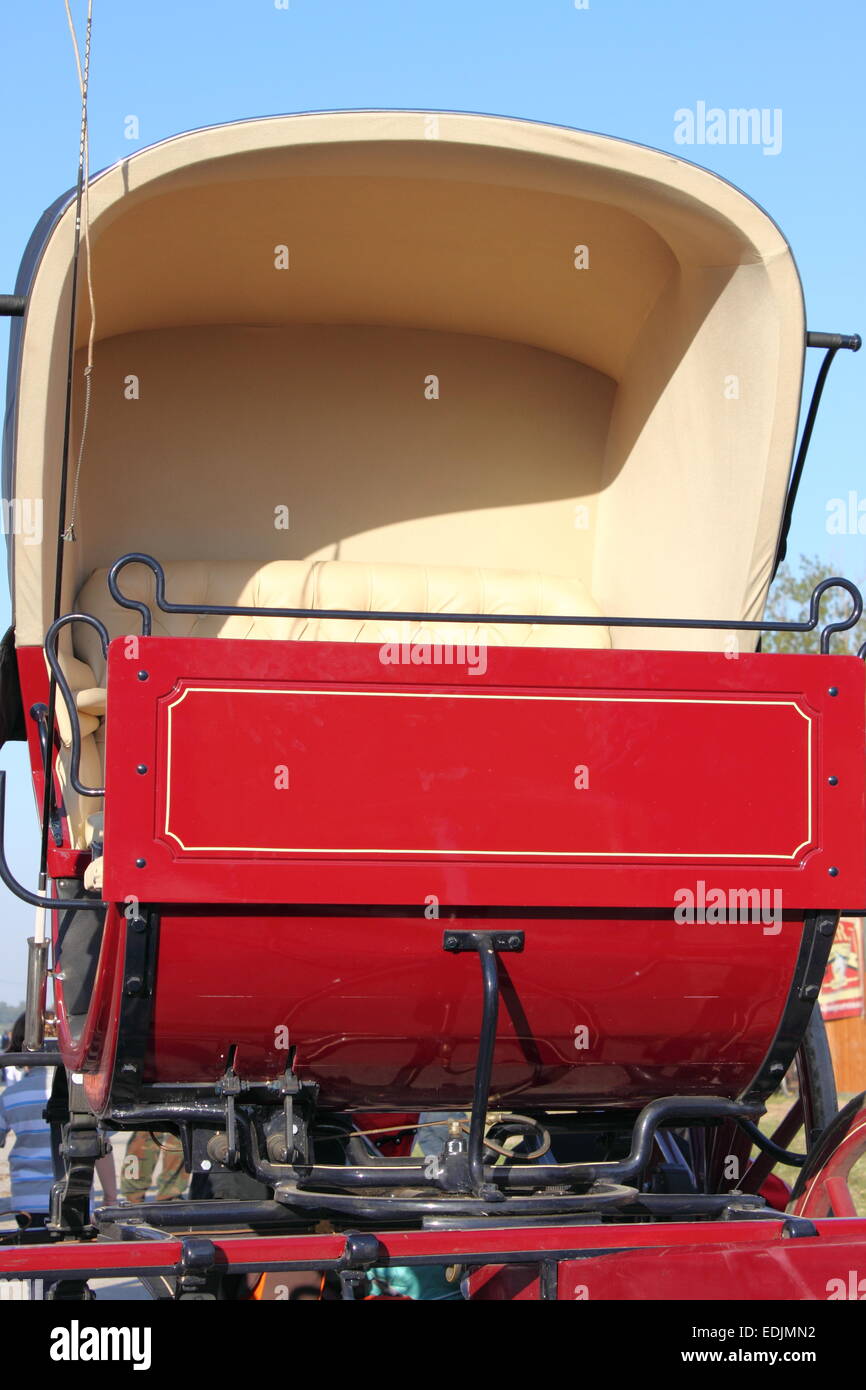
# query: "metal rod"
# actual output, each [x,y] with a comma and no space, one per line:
[206,1212]
[769,1147]
[486,619]
[59,679]
[35,899]
[407,1173]
[608,1196]
[37,979]
[47,1057]
[803,450]
[852,341]
[484,1063]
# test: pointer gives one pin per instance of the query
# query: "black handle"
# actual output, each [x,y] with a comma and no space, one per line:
[852,341]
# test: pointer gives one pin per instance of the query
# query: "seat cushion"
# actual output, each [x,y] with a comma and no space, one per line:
[366,588]
[339,584]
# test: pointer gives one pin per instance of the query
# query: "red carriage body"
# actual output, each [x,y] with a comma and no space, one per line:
[298,800]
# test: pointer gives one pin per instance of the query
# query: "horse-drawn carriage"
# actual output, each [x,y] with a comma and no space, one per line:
[390,668]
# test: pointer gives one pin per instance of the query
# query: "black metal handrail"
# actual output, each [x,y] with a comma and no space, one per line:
[53,660]
[26,896]
[486,619]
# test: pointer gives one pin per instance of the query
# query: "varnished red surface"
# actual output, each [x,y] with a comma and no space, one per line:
[682,1264]
[407,781]
[677,1260]
[682,751]
[381,1016]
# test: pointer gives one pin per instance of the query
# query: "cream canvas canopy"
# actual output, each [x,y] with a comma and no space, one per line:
[400,339]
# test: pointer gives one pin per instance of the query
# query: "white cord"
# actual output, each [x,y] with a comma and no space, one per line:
[84,169]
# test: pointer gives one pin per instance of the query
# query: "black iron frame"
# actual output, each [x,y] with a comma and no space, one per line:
[486,619]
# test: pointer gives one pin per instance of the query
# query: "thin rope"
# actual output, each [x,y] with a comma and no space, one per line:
[84,166]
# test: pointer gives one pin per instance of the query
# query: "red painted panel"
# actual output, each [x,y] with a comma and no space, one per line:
[805,1270]
[605,1010]
[476,774]
[407,781]
[712,1260]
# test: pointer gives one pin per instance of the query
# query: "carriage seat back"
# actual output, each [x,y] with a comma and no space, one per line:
[310,584]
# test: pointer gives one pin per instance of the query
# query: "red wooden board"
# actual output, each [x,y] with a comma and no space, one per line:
[314,773]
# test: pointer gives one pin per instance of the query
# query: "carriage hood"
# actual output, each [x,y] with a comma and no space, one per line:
[445,338]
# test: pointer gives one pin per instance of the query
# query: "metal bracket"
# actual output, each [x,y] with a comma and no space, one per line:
[360,1253]
[457,941]
[136,1004]
[196,1269]
[230,1087]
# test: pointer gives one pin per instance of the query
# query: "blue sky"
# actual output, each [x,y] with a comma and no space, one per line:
[622,67]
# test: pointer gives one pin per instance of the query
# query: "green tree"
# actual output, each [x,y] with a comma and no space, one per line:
[788,602]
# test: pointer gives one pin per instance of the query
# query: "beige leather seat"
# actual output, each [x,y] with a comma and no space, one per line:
[308,584]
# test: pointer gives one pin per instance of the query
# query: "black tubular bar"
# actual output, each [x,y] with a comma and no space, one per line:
[852,341]
[663,1112]
[769,1147]
[659,1113]
[486,619]
[53,660]
[833,342]
[204,1212]
[39,715]
[805,440]
[48,1057]
[484,1064]
[372,1208]
[12,306]
[11,882]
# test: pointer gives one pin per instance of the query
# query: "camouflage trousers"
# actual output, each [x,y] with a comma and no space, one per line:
[143,1153]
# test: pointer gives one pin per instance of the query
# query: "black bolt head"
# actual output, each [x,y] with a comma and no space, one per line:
[142,675]
[140,863]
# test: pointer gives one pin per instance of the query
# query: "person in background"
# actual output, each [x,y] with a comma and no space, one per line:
[143,1153]
[31,1167]
[8,1074]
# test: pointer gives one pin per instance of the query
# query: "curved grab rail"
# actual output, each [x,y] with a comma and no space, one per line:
[137,557]
[851,621]
[11,882]
[487,619]
[68,697]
